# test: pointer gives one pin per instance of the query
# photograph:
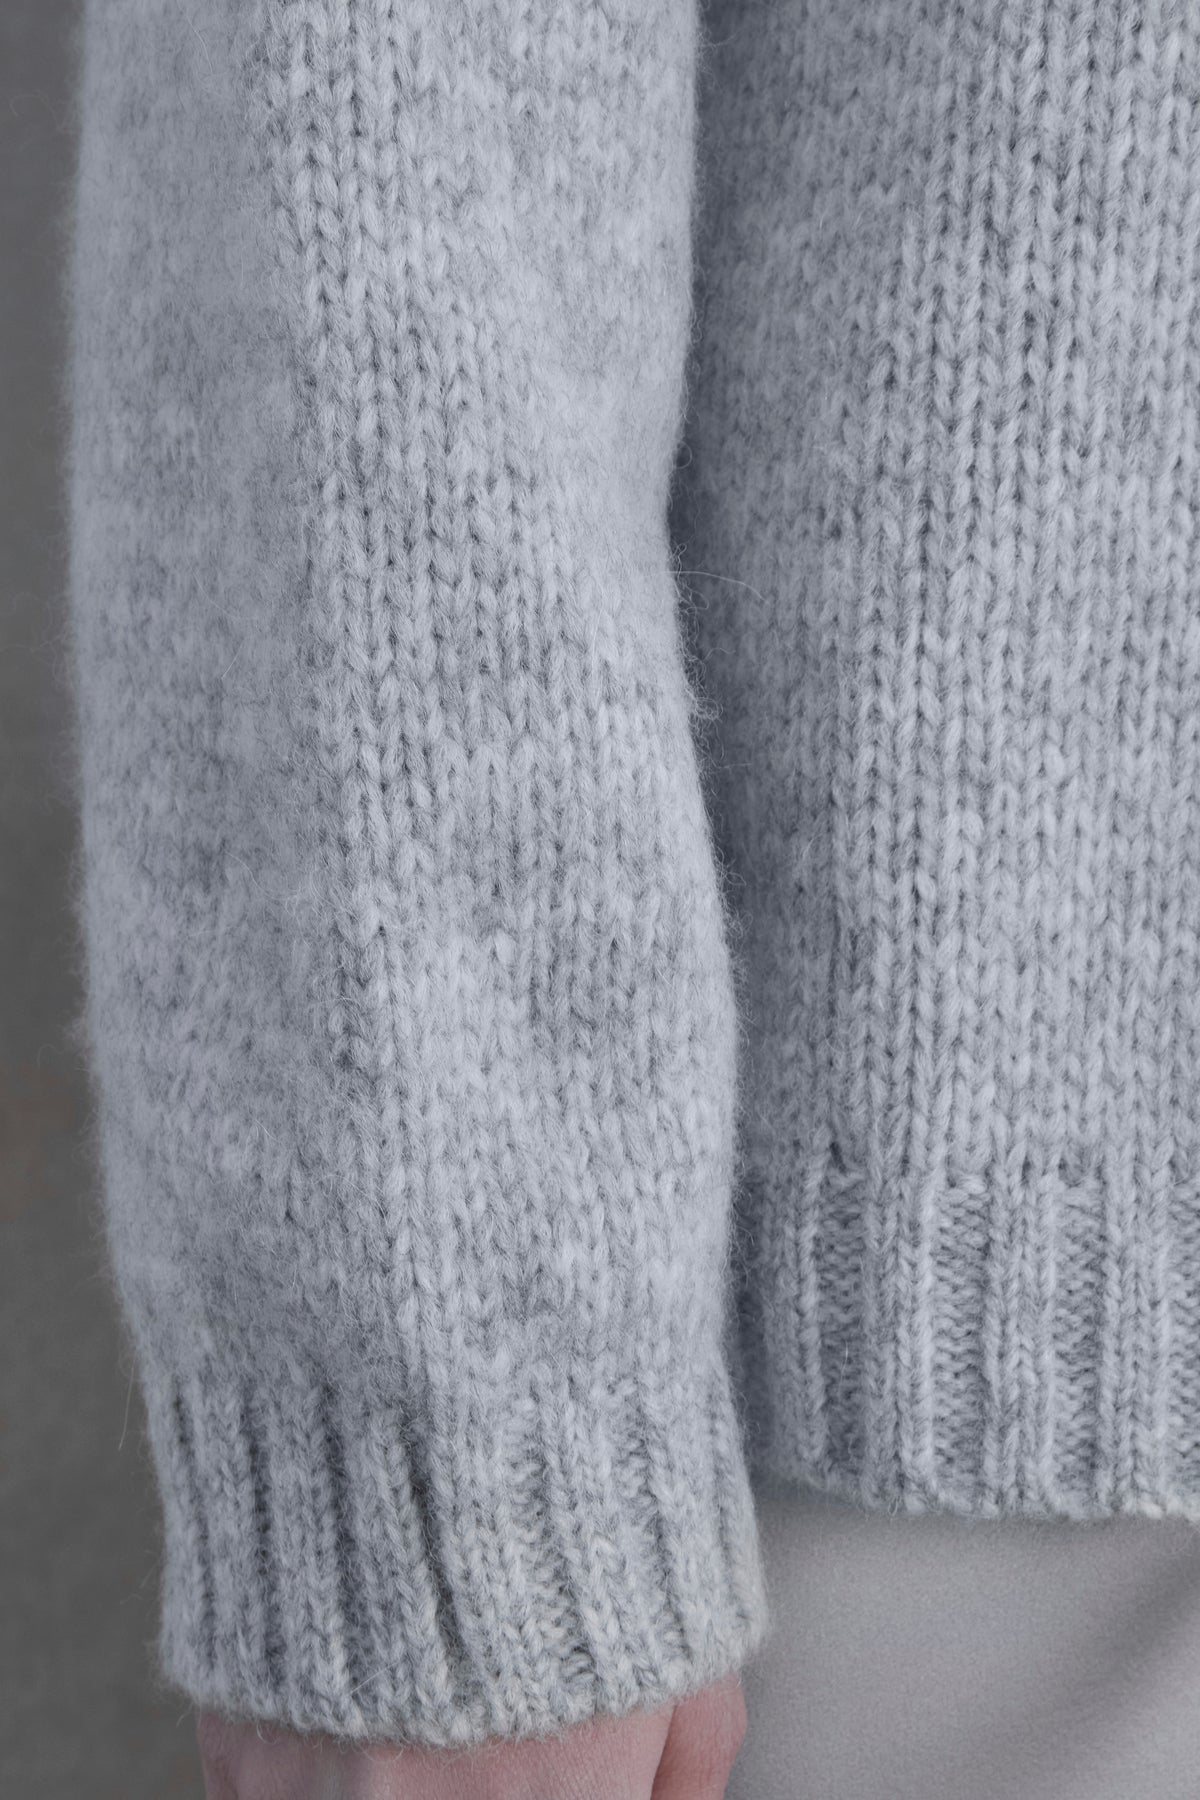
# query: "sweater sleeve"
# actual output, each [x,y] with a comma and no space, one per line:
[409,1003]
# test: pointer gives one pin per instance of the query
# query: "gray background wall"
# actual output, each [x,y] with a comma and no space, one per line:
[79,1715]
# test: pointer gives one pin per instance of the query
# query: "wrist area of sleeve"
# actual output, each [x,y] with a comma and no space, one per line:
[333,1563]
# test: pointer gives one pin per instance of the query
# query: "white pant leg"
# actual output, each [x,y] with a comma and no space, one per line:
[935,1658]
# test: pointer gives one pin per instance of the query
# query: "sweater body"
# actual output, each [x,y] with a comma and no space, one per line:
[938,516]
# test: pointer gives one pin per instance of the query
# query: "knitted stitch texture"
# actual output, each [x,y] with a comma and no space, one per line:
[943,484]
[409,995]
[474,961]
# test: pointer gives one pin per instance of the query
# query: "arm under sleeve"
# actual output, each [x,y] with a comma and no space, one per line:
[408,995]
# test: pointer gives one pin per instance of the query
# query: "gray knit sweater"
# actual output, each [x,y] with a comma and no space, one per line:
[636,616]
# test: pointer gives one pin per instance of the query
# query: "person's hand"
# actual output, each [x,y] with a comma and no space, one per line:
[680,1752]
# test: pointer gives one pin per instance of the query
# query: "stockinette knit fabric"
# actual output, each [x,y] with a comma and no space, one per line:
[411,1008]
[632,603]
[940,516]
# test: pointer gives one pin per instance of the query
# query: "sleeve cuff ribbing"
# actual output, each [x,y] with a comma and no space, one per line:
[593,1550]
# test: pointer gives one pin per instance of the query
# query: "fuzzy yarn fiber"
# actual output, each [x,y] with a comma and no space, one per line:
[634,603]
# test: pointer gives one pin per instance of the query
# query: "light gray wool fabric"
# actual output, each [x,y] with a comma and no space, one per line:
[410,999]
[633,581]
[943,491]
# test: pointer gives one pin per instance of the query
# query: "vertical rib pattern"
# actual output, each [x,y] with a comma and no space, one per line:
[409,999]
[938,512]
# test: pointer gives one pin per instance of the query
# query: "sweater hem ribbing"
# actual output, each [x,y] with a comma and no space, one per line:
[994,1343]
[910,1494]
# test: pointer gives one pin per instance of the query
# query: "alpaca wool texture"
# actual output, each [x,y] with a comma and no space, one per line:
[943,449]
[633,615]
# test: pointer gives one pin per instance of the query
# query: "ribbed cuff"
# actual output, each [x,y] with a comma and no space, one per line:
[993,1343]
[593,1549]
